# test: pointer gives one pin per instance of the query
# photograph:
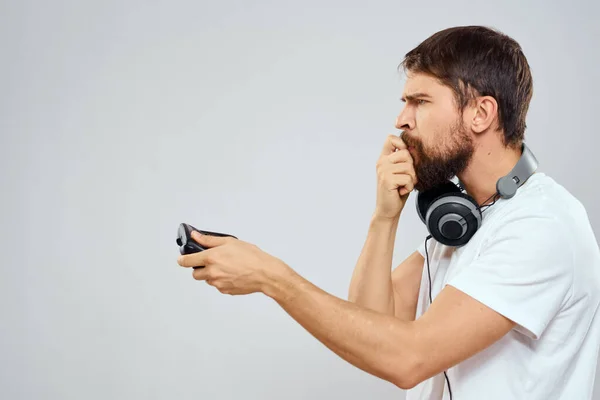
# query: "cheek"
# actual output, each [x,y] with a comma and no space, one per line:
[435,125]
[429,127]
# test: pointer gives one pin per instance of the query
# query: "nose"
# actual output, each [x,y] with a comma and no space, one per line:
[405,120]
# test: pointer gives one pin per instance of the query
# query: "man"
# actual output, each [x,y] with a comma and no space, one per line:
[515,310]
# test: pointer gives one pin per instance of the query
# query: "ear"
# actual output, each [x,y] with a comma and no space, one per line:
[484,113]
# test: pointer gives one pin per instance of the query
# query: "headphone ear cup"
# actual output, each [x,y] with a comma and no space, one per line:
[426,198]
[453,218]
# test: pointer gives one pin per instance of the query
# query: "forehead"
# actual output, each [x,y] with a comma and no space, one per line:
[425,84]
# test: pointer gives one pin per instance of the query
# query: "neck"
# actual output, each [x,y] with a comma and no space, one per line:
[489,163]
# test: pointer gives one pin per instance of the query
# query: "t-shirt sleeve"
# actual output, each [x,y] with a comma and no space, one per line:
[421,248]
[524,272]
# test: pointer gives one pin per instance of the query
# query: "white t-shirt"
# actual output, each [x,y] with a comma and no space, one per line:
[535,260]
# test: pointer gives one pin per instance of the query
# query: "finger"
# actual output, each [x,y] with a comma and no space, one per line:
[404,191]
[399,162]
[399,143]
[209,240]
[404,169]
[409,187]
[404,183]
[399,181]
[392,143]
[402,155]
[193,260]
[202,274]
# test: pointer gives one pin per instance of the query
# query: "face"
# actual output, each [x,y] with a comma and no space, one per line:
[434,130]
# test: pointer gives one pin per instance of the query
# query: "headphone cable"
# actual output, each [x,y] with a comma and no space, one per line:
[431,301]
[481,208]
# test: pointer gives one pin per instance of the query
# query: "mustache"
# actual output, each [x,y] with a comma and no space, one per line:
[411,141]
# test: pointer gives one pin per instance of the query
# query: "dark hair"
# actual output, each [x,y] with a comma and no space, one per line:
[477,60]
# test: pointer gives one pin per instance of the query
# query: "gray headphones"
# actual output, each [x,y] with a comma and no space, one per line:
[452,217]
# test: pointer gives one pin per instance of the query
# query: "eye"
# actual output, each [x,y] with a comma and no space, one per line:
[421,101]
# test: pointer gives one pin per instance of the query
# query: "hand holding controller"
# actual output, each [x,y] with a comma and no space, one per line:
[187,245]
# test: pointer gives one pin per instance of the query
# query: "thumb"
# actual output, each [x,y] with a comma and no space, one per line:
[208,240]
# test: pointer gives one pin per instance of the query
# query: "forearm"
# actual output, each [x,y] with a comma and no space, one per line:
[376,343]
[371,284]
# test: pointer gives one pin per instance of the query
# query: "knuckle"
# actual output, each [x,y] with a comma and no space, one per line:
[210,257]
[401,167]
[221,287]
[398,156]
[215,276]
[207,273]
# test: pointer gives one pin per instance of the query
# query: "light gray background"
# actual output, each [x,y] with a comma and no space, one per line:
[121,119]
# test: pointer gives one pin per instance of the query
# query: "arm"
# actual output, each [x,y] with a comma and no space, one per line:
[402,352]
[406,280]
[371,284]
[374,286]
[487,299]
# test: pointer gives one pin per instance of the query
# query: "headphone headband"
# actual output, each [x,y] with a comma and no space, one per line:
[507,185]
[526,166]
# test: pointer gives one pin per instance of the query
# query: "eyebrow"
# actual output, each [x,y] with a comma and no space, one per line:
[414,96]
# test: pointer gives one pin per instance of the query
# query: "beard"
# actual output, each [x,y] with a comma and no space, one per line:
[435,166]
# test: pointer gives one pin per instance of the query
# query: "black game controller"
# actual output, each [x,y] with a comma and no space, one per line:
[187,245]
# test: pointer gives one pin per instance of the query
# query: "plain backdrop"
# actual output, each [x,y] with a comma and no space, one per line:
[264,119]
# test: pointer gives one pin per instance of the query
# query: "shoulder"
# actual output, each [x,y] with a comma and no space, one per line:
[542,209]
[532,234]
